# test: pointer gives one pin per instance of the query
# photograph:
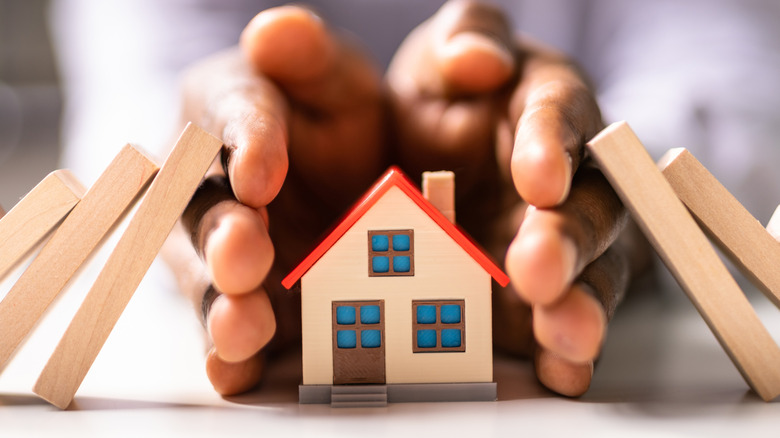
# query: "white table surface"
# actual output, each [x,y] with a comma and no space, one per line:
[662,373]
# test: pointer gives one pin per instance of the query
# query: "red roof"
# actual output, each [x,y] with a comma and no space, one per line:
[395,178]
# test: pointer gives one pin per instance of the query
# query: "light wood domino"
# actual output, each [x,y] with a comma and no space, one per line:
[738,234]
[70,245]
[689,256]
[156,215]
[36,215]
[774,224]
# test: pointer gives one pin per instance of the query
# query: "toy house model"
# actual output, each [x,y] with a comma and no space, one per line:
[396,302]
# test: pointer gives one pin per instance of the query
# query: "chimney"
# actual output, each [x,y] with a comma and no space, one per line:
[439,189]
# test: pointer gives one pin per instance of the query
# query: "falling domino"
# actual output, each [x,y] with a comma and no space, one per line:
[36,215]
[737,233]
[689,256]
[774,224]
[70,245]
[161,207]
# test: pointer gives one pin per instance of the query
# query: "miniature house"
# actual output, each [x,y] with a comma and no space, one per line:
[396,302]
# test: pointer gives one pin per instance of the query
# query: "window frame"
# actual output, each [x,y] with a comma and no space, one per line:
[438,326]
[358,326]
[390,253]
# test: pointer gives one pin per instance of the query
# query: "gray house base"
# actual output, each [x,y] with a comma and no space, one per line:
[380,395]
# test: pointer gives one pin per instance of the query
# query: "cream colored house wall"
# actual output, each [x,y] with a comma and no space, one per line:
[443,270]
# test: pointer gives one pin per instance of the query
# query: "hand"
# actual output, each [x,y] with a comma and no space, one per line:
[301,114]
[511,118]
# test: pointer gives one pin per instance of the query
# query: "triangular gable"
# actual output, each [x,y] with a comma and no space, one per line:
[395,178]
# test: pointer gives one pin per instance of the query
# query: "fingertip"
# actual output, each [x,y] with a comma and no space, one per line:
[238,251]
[474,63]
[561,376]
[541,173]
[240,325]
[288,43]
[230,378]
[540,263]
[573,328]
[257,166]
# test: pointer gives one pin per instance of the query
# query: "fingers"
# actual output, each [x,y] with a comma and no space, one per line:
[559,375]
[570,332]
[250,114]
[234,242]
[556,114]
[442,82]
[230,378]
[573,328]
[288,44]
[337,114]
[240,325]
[466,48]
[293,47]
[472,47]
[554,245]
[231,237]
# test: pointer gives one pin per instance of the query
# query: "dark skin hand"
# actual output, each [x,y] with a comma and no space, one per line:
[308,126]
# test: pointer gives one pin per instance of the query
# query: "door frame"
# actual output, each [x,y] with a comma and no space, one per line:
[358,365]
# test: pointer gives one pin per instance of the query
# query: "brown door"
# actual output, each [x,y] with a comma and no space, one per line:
[358,342]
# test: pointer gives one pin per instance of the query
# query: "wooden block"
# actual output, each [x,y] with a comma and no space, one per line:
[689,256]
[36,215]
[738,234]
[70,245]
[774,224]
[161,207]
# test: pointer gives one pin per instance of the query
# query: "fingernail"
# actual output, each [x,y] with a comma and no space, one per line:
[473,41]
[569,258]
[567,175]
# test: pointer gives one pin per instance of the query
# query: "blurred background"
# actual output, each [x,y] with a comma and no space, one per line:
[684,73]
[30,100]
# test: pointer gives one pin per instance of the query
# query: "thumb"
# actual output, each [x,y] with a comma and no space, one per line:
[472,47]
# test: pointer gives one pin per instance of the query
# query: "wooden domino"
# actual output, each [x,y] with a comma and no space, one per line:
[774,224]
[70,245]
[738,234]
[36,215]
[158,212]
[689,256]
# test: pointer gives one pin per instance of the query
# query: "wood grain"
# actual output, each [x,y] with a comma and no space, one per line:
[156,215]
[70,245]
[737,233]
[36,215]
[689,256]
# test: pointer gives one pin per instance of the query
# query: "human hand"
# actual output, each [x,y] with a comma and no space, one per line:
[511,119]
[300,111]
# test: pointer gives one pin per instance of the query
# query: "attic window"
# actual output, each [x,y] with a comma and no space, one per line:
[390,253]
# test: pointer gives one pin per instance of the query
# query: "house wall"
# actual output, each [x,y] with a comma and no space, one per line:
[443,270]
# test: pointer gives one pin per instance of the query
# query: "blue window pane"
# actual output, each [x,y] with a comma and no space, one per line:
[380,264]
[426,314]
[345,315]
[450,313]
[450,338]
[369,314]
[401,242]
[401,264]
[370,339]
[379,242]
[426,338]
[346,338]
